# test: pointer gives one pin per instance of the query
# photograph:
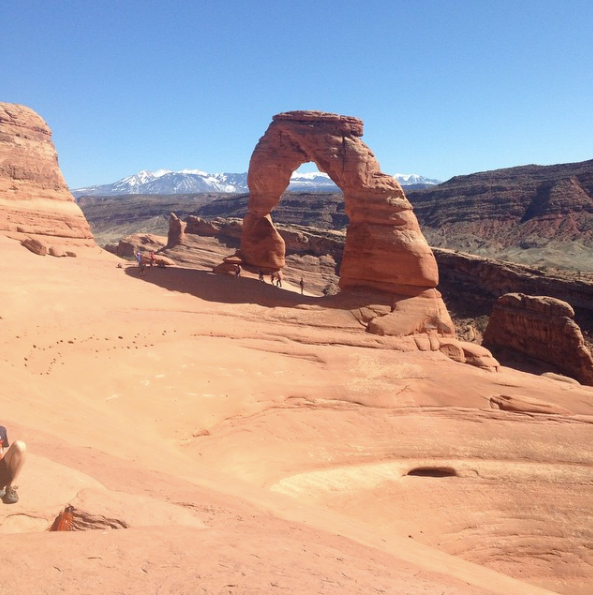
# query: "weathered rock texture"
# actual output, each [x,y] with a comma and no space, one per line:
[384,250]
[542,328]
[379,313]
[34,198]
[484,279]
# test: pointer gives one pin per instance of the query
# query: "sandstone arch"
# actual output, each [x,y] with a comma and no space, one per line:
[385,248]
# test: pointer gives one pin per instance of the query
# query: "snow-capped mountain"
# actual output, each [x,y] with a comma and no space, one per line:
[190,181]
[164,181]
[415,180]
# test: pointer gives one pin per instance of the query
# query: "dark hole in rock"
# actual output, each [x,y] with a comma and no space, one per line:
[433,472]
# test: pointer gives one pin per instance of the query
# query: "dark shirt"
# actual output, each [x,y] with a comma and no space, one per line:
[4,437]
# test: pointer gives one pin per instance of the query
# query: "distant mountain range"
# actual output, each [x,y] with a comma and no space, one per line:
[190,181]
[532,214]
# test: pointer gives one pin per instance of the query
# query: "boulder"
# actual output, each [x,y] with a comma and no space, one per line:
[468,353]
[34,245]
[34,198]
[233,260]
[478,355]
[541,328]
[61,252]
[225,268]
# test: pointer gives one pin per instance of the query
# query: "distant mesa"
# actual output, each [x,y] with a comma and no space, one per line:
[540,215]
[35,203]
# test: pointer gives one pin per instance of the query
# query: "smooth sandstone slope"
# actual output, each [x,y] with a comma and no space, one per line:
[190,416]
[249,452]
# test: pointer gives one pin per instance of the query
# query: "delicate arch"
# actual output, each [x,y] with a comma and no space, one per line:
[384,249]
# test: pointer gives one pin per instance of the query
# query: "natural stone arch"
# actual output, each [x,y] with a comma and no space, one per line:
[385,248]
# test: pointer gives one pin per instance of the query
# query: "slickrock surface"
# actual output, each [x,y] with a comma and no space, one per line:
[377,312]
[477,280]
[314,255]
[254,442]
[542,328]
[34,199]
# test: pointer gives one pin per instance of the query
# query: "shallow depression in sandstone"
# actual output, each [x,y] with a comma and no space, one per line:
[469,508]
[432,472]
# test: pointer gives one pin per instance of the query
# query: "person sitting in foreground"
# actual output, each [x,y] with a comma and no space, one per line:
[12,459]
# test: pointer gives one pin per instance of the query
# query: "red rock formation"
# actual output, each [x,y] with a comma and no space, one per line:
[384,250]
[35,246]
[139,242]
[542,328]
[176,231]
[482,280]
[34,198]
[378,312]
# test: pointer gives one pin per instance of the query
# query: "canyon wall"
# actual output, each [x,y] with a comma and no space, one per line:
[536,215]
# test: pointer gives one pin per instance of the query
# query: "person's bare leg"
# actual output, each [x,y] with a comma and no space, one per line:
[15,458]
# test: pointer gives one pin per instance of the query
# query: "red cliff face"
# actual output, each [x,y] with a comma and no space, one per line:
[34,199]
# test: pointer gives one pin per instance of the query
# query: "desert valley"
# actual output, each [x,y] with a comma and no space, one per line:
[220,434]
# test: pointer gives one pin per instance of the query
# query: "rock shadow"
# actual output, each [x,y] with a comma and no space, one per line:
[225,289]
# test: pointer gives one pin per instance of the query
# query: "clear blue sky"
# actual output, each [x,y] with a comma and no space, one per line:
[444,87]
